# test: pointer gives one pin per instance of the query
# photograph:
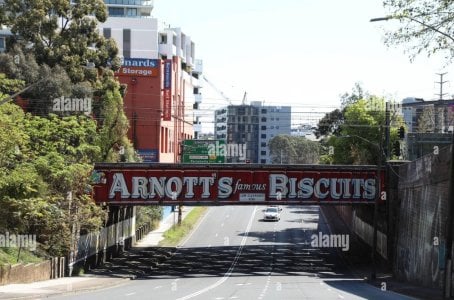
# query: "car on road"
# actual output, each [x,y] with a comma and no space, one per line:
[272,214]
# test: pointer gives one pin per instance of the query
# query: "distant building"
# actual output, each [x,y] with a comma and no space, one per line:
[4,34]
[438,122]
[304,130]
[254,125]
[412,112]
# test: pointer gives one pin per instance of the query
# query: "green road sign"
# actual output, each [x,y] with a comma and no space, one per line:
[203,151]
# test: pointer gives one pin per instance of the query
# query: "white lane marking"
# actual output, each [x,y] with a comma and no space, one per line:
[194,229]
[158,287]
[130,294]
[209,245]
[340,296]
[232,266]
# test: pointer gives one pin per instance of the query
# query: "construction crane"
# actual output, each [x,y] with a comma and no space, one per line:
[218,90]
[244,98]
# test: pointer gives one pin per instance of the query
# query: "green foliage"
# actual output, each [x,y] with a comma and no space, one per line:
[148,214]
[425,26]
[42,160]
[62,33]
[46,160]
[285,149]
[177,233]
[9,256]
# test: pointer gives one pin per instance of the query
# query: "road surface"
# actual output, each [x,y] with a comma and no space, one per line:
[234,254]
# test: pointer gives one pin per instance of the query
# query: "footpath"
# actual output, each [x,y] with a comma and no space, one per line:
[84,283]
[358,261]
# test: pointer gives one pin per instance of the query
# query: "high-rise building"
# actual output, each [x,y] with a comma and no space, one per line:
[253,125]
[153,57]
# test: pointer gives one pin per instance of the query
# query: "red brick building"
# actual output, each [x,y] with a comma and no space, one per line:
[155,106]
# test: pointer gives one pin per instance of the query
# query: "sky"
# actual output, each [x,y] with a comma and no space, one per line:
[303,53]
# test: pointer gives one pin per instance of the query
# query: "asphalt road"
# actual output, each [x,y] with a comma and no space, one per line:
[234,254]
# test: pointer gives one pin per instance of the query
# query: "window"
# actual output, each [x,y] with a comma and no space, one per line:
[126,42]
[272,127]
[131,12]
[263,128]
[263,144]
[263,119]
[163,38]
[263,136]
[277,119]
[272,119]
[107,33]
[263,161]
[241,111]
[263,110]
[277,127]
[262,152]
[116,11]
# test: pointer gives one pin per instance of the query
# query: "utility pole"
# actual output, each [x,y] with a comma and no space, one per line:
[441,83]
[439,119]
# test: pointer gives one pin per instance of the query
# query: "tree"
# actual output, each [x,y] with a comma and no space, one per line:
[286,149]
[426,120]
[62,33]
[331,122]
[358,140]
[425,26]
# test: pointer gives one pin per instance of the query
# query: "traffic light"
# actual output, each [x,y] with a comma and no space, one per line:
[396,148]
[402,132]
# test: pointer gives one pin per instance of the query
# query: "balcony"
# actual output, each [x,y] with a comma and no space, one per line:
[132,8]
[198,66]
[130,3]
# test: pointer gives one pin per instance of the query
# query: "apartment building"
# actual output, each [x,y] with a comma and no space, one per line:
[162,105]
[254,125]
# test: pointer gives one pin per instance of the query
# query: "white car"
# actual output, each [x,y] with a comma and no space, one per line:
[272,214]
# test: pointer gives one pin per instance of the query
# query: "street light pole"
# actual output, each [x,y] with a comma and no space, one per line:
[373,275]
[377,199]
[414,20]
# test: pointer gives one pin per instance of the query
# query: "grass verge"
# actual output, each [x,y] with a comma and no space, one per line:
[176,234]
[9,256]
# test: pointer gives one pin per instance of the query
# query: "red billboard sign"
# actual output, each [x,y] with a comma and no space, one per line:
[138,71]
[167,106]
[224,184]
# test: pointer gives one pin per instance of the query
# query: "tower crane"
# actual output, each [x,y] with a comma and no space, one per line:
[218,90]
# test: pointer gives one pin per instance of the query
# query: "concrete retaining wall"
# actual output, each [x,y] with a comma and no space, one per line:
[26,273]
[421,219]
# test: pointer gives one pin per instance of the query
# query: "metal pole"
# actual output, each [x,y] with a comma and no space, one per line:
[373,276]
[387,133]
